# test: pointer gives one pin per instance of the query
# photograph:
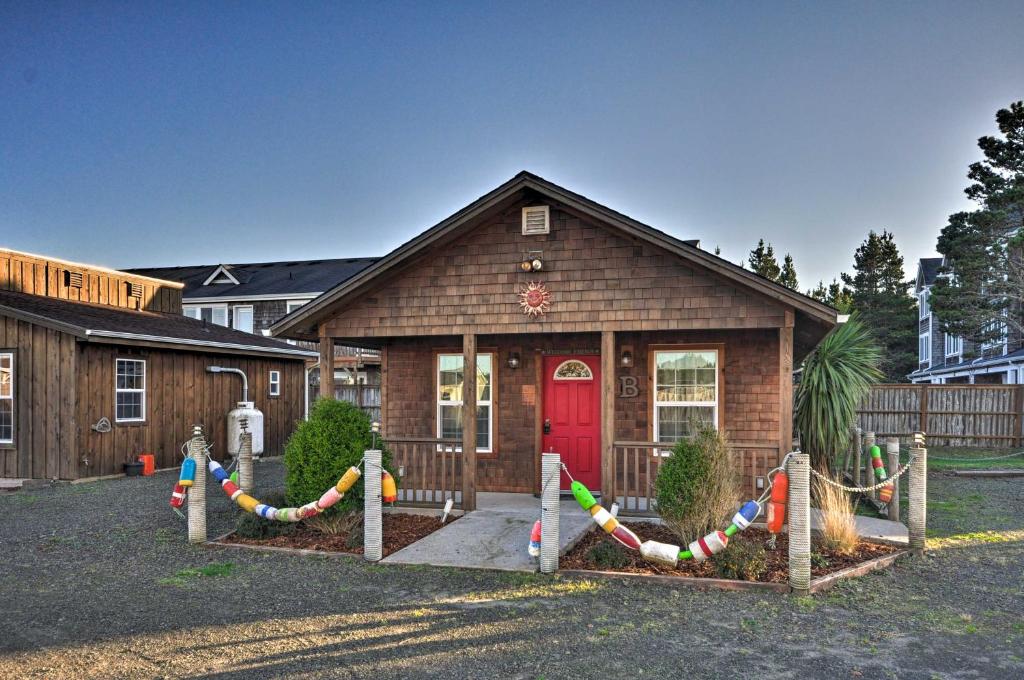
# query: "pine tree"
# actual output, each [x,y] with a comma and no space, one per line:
[787,277]
[762,261]
[978,295]
[880,296]
[835,295]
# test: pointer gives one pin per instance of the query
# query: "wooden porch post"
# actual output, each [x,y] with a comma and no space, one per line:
[326,364]
[786,385]
[469,422]
[607,417]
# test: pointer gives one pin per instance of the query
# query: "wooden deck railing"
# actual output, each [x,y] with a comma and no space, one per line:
[430,470]
[636,467]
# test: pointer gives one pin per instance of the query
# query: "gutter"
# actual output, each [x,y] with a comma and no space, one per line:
[200,343]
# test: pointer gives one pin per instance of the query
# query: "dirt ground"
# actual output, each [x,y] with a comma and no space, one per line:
[97,580]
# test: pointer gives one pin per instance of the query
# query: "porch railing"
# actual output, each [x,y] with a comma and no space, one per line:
[635,467]
[430,470]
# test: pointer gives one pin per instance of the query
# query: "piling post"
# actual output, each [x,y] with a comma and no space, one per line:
[858,449]
[798,469]
[245,473]
[551,470]
[917,494]
[373,527]
[197,494]
[867,476]
[892,447]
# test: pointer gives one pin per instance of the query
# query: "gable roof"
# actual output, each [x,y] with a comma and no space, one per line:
[302,278]
[101,323]
[928,270]
[300,323]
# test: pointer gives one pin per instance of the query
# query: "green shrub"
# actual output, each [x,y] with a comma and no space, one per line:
[322,448]
[608,555]
[742,559]
[251,525]
[696,488]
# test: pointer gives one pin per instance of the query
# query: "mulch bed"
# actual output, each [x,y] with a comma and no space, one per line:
[400,530]
[823,561]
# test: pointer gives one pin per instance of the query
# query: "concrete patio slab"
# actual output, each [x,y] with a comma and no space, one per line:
[494,536]
[872,527]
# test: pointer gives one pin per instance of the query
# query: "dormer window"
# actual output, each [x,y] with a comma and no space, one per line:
[536,220]
[221,275]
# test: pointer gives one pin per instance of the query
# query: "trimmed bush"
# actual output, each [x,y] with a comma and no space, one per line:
[743,559]
[696,487]
[322,448]
[608,555]
[251,525]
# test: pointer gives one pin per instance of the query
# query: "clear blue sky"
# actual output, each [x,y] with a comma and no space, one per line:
[137,134]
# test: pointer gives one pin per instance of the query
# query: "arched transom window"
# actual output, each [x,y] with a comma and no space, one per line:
[573,369]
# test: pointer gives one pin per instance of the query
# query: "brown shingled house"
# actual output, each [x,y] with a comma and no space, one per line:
[98,366]
[585,331]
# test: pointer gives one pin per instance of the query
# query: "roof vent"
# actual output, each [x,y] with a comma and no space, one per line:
[536,220]
[72,279]
[134,289]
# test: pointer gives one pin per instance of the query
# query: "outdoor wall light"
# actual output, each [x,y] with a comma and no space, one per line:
[513,360]
[536,264]
[626,359]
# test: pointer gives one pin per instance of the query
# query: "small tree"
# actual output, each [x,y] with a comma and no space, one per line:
[322,448]
[696,487]
[835,379]
[787,277]
[762,261]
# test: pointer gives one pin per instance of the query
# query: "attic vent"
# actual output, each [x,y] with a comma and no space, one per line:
[73,279]
[536,220]
[134,289]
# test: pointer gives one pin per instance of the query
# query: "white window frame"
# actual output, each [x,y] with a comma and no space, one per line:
[10,397]
[956,343]
[274,388]
[924,309]
[133,390]
[489,403]
[289,307]
[657,405]
[924,348]
[198,309]
[252,318]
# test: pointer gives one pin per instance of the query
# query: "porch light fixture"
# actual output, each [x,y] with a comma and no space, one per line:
[513,360]
[626,359]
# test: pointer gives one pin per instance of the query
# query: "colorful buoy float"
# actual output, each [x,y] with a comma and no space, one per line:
[188,472]
[604,518]
[885,493]
[534,547]
[388,488]
[776,513]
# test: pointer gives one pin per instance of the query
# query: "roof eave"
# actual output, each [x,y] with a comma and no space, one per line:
[207,345]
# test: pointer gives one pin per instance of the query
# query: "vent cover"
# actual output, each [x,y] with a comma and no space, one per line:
[73,279]
[536,220]
[134,290]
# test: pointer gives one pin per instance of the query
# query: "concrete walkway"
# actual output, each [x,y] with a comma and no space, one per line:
[871,527]
[494,536]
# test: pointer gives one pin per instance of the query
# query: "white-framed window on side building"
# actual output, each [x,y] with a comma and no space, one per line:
[275,383]
[215,314]
[242,318]
[685,391]
[954,345]
[6,397]
[924,348]
[130,391]
[923,308]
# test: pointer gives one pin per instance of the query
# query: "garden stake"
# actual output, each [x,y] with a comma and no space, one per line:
[917,494]
[799,472]
[373,532]
[197,493]
[551,467]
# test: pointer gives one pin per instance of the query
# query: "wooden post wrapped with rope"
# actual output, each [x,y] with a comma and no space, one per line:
[197,494]
[858,449]
[798,469]
[892,448]
[551,470]
[917,493]
[869,441]
[373,527]
[245,475]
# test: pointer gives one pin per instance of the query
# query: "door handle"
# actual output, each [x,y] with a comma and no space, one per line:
[547,426]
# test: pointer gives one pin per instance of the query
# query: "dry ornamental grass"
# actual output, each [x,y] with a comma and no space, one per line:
[838,525]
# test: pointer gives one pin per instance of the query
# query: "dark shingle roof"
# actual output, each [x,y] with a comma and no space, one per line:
[295,277]
[930,269]
[95,322]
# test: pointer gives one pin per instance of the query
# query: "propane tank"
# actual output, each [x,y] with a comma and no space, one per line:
[248,411]
[776,515]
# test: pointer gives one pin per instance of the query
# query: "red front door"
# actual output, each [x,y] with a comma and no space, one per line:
[572,415]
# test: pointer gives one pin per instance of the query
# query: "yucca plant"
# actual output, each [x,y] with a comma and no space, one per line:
[835,378]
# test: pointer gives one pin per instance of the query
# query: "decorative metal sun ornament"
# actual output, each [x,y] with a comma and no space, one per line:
[535,299]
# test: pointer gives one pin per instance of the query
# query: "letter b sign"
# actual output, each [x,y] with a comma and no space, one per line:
[627,387]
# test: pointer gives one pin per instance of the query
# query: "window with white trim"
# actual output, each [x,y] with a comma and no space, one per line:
[275,383]
[242,318]
[954,345]
[130,391]
[215,314]
[291,306]
[685,392]
[924,348]
[924,309]
[450,378]
[6,397]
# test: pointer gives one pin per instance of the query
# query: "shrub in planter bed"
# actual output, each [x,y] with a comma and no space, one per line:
[744,559]
[251,525]
[696,487]
[322,448]
[608,555]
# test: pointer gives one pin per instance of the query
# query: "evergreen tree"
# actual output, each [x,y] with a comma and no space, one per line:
[835,295]
[978,295]
[880,296]
[762,261]
[787,277]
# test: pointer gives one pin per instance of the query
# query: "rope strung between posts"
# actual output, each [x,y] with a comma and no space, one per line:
[865,489]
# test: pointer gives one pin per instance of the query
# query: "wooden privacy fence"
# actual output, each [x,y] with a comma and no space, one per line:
[430,470]
[366,397]
[950,415]
[636,467]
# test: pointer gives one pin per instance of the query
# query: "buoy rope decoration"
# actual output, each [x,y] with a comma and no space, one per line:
[664,553]
[885,493]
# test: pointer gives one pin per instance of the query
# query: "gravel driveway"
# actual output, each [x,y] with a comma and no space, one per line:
[97,580]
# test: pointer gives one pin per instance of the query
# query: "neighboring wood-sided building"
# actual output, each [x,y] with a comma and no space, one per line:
[82,347]
[585,331]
